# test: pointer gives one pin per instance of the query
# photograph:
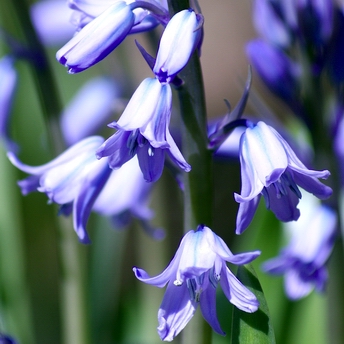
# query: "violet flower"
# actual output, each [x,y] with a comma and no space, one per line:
[178,42]
[51,19]
[277,70]
[192,277]
[98,38]
[125,196]
[87,10]
[303,260]
[269,167]
[143,130]
[89,109]
[8,84]
[74,180]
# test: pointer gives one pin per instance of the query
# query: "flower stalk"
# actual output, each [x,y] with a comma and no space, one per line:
[197,182]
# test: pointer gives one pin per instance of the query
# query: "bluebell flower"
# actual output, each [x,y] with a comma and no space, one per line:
[143,130]
[125,196]
[8,84]
[87,10]
[89,109]
[74,180]
[277,70]
[98,38]
[303,261]
[178,42]
[51,19]
[192,277]
[269,167]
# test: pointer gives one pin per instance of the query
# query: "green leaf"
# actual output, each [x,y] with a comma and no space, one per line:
[253,328]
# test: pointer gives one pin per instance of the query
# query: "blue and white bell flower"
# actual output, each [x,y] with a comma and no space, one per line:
[143,130]
[179,40]
[87,10]
[303,261]
[198,266]
[125,197]
[98,38]
[74,180]
[269,167]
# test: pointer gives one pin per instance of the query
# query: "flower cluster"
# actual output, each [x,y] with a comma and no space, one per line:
[299,59]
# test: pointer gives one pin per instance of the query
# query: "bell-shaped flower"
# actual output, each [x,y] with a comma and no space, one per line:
[98,38]
[8,84]
[143,130]
[192,277]
[51,20]
[303,261]
[269,167]
[125,196]
[89,109]
[74,178]
[179,40]
[87,10]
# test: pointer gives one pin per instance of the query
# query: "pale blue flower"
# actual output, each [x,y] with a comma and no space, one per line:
[87,10]
[303,260]
[269,167]
[125,196]
[98,38]
[51,19]
[192,277]
[74,180]
[89,109]
[143,130]
[178,42]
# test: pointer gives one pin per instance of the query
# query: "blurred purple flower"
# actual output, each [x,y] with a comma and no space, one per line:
[89,109]
[277,70]
[74,180]
[125,196]
[143,130]
[192,277]
[269,167]
[178,42]
[302,261]
[51,19]
[8,83]
[98,38]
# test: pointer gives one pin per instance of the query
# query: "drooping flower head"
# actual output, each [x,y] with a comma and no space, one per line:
[192,277]
[178,42]
[143,130]
[303,260]
[98,38]
[269,167]
[74,180]
[125,196]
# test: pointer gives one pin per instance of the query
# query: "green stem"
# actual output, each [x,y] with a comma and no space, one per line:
[74,315]
[198,182]
[42,73]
